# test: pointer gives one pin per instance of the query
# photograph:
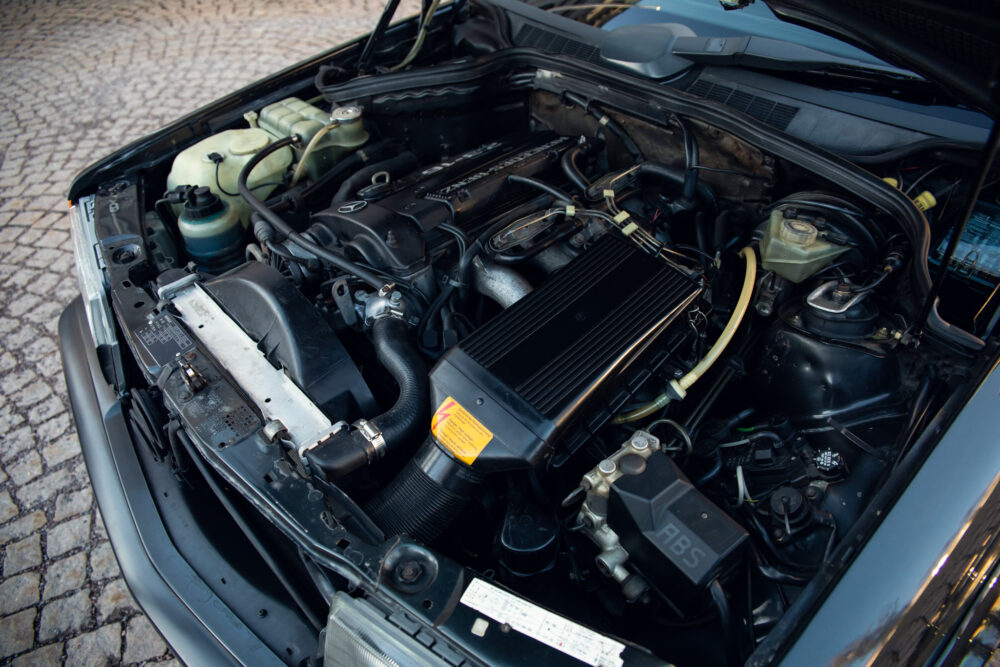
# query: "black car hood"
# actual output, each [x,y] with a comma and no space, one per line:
[954,43]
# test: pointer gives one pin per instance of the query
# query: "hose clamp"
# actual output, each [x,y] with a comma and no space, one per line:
[371,433]
[387,302]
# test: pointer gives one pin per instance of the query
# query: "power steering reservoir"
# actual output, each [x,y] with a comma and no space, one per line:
[211,229]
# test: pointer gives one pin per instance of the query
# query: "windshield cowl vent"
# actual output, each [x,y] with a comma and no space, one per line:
[538,38]
[767,111]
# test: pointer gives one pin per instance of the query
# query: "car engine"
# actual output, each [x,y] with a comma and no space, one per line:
[625,364]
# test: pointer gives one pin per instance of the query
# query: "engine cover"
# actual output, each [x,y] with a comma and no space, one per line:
[555,366]
[468,190]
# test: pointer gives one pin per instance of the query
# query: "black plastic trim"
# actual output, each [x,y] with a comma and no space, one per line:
[196,624]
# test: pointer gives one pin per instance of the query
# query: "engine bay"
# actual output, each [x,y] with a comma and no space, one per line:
[622,362]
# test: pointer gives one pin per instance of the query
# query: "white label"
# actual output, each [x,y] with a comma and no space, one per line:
[560,633]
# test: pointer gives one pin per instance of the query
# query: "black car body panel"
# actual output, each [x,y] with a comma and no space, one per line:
[199,627]
[952,43]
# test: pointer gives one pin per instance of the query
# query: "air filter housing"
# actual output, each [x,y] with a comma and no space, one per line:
[538,378]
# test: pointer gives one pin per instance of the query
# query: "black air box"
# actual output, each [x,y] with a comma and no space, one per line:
[540,376]
[677,538]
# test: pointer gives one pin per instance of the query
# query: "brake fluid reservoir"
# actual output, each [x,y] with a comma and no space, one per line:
[793,249]
[211,229]
[216,163]
[293,116]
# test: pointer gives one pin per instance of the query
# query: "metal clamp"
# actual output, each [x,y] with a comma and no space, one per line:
[170,290]
[821,299]
[373,435]
[387,302]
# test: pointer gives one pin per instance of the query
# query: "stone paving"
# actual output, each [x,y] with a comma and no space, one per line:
[78,80]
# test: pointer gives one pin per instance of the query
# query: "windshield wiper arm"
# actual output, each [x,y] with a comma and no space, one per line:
[773,54]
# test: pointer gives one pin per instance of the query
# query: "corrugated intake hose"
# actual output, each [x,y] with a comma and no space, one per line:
[425,497]
[349,450]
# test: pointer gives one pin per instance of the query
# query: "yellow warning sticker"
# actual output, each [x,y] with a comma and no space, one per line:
[460,433]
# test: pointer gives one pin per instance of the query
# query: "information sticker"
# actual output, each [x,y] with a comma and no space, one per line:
[542,625]
[461,434]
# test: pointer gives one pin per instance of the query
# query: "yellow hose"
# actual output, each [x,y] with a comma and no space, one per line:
[421,34]
[742,305]
[657,403]
[300,169]
[681,386]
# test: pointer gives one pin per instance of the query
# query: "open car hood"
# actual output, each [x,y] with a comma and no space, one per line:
[956,44]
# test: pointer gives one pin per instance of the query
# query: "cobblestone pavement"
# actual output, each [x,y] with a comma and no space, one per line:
[78,80]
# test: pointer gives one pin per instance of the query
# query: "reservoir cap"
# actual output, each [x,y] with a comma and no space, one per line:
[249,141]
[202,203]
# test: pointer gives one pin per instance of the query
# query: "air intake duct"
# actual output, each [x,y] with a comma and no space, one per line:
[531,385]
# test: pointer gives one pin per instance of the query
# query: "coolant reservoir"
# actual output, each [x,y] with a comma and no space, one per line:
[793,249]
[193,166]
[211,229]
[293,116]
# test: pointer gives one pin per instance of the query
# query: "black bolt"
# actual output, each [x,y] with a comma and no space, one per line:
[408,571]
[123,256]
[262,612]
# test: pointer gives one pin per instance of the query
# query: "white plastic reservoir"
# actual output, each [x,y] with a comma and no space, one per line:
[193,166]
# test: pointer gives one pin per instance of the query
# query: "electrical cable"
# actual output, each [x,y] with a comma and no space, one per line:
[683,432]
[279,223]
[608,122]
[922,176]
[251,534]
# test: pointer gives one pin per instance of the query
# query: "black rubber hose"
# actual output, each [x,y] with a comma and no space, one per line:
[395,166]
[726,620]
[609,123]
[278,222]
[560,196]
[663,172]
[402,423]
[572,170]
[691,159]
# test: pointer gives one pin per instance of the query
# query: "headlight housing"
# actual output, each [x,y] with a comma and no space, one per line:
[90,275]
